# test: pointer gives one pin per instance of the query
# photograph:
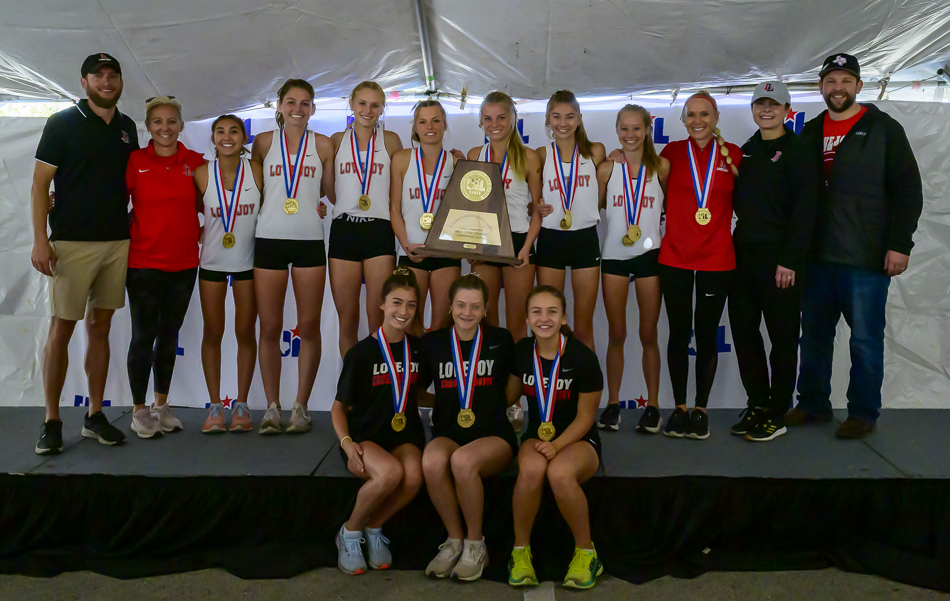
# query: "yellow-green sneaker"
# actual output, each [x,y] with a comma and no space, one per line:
[584,569]
[520,570]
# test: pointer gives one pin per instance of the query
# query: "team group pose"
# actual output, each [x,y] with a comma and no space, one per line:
[802,253]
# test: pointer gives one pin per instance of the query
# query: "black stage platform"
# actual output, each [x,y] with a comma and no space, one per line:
[270,507]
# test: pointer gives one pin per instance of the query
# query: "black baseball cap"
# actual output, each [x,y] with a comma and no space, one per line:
[840,62]
[94,61]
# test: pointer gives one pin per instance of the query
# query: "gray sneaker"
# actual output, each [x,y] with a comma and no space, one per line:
[271,422]
[144,424]
[449,553]
[299,420]
[350,554]
[473,561]
[166,420]
[377,550]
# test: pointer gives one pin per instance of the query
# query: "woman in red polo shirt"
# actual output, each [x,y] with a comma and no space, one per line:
[697,247]
[163,259]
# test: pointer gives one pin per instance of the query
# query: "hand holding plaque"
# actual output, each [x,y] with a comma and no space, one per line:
[472,219]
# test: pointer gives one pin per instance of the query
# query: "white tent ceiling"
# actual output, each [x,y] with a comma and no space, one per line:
[219,56]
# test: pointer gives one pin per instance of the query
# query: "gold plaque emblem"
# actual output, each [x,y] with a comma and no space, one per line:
[475,186]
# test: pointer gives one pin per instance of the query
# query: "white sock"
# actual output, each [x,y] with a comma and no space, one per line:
[517,548]
[350,533]
[374,531]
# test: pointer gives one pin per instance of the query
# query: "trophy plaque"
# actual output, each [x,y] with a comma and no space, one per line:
[472,219]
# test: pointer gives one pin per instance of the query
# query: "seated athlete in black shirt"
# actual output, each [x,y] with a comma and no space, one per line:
[563,382]
[376,417]
[470,363]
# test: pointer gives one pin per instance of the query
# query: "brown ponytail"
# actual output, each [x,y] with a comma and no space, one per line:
[584,145]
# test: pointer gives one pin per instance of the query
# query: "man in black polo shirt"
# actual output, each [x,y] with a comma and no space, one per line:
[84,150]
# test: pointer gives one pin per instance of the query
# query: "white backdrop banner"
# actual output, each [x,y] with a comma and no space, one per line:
[918,311]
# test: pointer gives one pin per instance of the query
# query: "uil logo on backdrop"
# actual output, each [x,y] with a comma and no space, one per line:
[247,126]
[524,138]
[637,403]
[83,401]
[721,345]
[179,349]
[658,137]
[290,339]
[795,120]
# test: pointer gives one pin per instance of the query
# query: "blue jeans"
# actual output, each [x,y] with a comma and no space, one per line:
[832,290]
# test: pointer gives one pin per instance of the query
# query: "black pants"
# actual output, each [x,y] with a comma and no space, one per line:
[158,301]
[712,288]
[753,295]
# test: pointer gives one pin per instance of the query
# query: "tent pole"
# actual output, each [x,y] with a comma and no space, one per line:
[422,25]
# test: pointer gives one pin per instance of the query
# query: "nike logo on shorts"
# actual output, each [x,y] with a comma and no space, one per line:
[707,294]
[491,348]
[142,170]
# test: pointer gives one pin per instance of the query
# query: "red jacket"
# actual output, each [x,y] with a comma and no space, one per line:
[687,244]
[164,215]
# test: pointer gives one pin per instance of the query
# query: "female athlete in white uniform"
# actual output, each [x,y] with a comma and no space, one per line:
[632,195]
[418,180]
[568,236]
[227,249]
[298,171]
[521,172]
[362,244]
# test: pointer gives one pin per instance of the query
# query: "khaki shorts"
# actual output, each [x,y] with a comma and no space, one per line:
[90,273]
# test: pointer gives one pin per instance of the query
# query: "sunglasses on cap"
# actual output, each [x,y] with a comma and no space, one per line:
[147,100]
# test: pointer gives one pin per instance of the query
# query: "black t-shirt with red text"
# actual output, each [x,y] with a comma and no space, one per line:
[579,373]
[489,402]
[365,390]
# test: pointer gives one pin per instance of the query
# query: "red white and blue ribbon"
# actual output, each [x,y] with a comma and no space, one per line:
[400,382]
[427,191]
[292,176]
[466,381]
[546,394]
[364,170]
[702,188]
[633,205]
[568,186]
[504,164]
[228,211]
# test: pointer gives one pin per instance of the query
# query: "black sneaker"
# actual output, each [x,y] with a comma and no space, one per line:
[766,429]
[676,426]
[610,418]
[98,427]
[698,427]
[51,438]
[650,422]
[749,417]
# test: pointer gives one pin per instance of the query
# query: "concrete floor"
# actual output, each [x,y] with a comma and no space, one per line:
[324,584]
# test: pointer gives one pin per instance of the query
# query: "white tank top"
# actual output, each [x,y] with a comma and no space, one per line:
[412,197]
[214,255]
[584,209]
[517,195]
[348,187]
[651,211]
[274,222]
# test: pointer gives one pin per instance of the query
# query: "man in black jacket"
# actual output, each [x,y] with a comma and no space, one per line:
[775,200]
[867,215]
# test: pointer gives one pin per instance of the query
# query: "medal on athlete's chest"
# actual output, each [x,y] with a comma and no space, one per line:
[292,174]
[399,382]
[702,186]
[364,169]
[545,393]
[228,206]
[632,204]
[465,379]
[567,183]
[429,190]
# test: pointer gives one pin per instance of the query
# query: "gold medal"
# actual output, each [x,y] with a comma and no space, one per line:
[626,240]
[546,431]
[426,221]
[633,232]
[703,216]
[466,418]
[228,240]
[566,222]
[399,422]
[291,206]
[365,202]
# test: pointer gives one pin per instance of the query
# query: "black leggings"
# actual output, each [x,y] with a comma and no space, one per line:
[712,288]
[158,301]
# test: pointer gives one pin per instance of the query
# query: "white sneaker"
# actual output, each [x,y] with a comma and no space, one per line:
[350,553]
[377,549]
[144,424]
[442,564]
[473,560]
[166,420]
[299,420]
[271,422]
